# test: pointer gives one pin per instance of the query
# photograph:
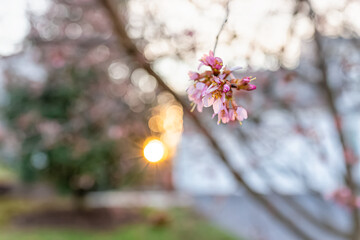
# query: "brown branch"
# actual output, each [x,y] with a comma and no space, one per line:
[349,178]
[298,208]
[331,99]
[130,47]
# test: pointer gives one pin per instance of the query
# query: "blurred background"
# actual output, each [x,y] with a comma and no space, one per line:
[97,139]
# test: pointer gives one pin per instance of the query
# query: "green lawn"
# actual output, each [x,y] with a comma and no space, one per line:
[183,225]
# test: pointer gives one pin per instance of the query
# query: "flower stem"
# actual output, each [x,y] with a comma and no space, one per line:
[222,25]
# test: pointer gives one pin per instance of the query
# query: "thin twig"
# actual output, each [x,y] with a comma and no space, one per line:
[222,25]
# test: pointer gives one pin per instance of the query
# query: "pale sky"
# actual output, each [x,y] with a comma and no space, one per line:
[14,25]
[246,18]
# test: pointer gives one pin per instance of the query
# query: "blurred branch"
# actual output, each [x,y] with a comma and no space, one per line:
[356,42]
[82,4]
[131,49]
[222,25]
[298,208]
[349,178]
[82,42]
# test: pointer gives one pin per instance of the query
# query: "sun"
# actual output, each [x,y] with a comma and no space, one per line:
[154,150]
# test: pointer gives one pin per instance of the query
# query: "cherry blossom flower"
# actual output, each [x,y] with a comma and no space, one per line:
[215,88]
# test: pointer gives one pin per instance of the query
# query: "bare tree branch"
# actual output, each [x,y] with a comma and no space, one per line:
[349,178]
[299,209]
[130,47]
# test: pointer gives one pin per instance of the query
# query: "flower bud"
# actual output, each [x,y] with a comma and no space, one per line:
[194,75]
[226,88]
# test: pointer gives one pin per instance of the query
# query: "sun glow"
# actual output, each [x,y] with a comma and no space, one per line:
[154,150]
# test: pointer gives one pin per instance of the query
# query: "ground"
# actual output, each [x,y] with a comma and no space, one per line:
[18,222]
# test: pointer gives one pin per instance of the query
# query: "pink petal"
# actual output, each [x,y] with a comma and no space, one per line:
[241,113]
[211,89]
[194,75]
[217,106]
[200,85]
[232,114]
[223,97]
[200,65]
[199,107]
[208,100]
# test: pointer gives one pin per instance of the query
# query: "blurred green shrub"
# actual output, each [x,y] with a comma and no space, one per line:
[72,131]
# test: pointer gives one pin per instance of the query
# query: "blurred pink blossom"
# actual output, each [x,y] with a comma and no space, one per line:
[350,157]
[115,132]
[50,131]
[343,196]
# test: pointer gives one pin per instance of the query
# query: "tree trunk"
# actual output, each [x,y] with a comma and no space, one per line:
[78,200]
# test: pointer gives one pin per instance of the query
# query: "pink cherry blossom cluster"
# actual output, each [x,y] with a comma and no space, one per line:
[344,197]
[215,88]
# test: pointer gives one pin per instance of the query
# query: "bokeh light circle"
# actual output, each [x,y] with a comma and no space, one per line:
[154,150]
